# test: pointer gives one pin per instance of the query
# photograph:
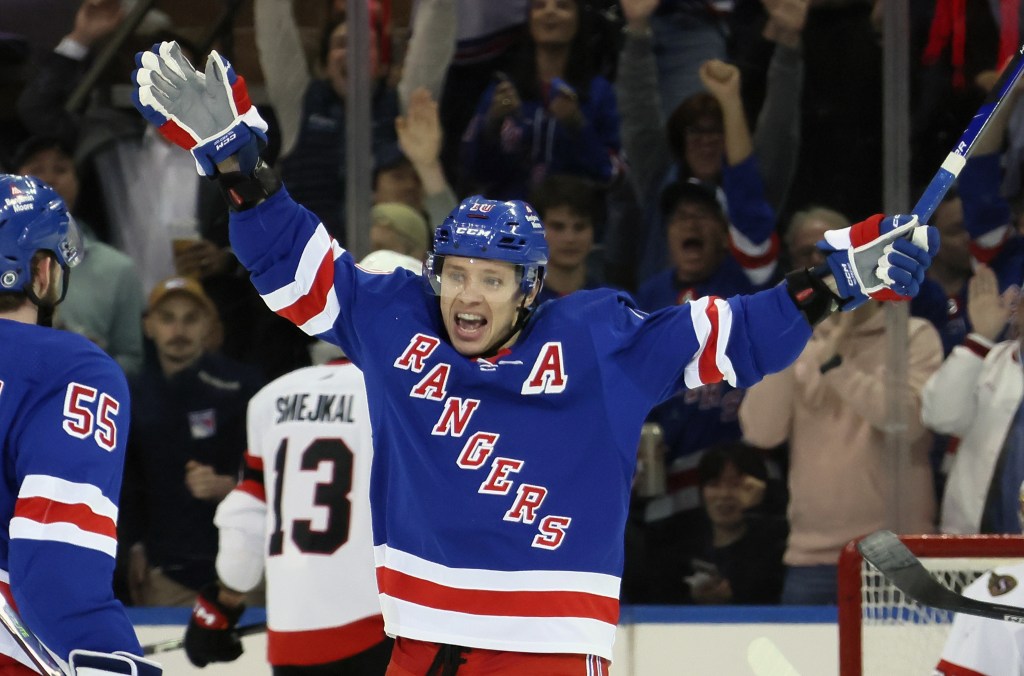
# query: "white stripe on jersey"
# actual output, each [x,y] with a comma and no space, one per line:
[68,492]
[497,580]
[522,634]
[317,247]
[704,328]
[27,529]
[324,320]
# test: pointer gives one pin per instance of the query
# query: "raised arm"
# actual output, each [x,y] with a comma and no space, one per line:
[41,103]
[882,257]
[636,85]
[283,61]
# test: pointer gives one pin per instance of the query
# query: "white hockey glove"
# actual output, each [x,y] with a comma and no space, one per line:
[90,663]
[209,114]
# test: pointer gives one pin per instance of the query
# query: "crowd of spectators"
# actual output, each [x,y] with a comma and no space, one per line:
[674,150]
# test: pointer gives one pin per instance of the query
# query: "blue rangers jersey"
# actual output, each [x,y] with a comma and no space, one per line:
[500,486]
[64,417]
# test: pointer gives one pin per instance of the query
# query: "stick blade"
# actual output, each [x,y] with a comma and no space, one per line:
[885,551]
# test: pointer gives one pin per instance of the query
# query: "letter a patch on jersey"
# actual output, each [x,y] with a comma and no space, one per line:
[548,374]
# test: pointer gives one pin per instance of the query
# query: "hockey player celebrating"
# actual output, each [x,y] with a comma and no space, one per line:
[505,437]
[64,425]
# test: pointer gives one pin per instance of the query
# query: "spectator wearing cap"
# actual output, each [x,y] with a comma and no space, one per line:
[184,450]
[398,227]
[698,238]
[105,302]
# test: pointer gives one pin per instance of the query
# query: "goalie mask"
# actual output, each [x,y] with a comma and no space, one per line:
[33,218]
[491,230]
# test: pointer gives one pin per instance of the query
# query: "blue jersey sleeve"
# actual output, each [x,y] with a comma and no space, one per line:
[305,276]
[738,340]
[68,456]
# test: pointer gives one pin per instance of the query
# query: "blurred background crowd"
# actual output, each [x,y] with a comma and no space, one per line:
[673,148]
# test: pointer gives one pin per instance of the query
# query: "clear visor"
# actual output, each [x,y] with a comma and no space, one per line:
[70,248]
[494,281]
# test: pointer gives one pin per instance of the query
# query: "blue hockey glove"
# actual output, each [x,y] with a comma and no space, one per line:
[209,114]
[212,635]
[882,257]
[84,662]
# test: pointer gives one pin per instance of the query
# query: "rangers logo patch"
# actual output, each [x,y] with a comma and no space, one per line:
[203,424]
[1001,584]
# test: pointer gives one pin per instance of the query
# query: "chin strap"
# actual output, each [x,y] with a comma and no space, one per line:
[522,316]
[46,310]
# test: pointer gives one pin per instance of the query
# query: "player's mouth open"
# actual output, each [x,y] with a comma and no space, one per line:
[469,324]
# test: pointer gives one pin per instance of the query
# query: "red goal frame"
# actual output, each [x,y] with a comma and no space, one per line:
[922,546]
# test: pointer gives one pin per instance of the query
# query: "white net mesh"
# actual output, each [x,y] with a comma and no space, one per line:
[900,636]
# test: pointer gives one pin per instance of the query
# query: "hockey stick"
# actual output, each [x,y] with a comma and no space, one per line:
[179,643]
[956,159]
[32,646]
[884,550]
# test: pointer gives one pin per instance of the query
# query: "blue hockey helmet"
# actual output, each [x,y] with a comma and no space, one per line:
[508,231]
[33,218]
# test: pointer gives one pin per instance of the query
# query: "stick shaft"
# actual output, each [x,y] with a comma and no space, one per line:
[32,646]
[956,159]
[179,643]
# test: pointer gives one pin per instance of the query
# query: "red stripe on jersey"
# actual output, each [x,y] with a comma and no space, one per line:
[176,135]
[865,231]
[317,646]
[707,365]
[949,669]
[985,254]
[253,488]
[498,603]
[753,262]
[975,346]
[253,462]
[314,302]
[44,510]
[240,93]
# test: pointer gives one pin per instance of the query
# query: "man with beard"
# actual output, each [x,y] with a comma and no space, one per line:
[185,449]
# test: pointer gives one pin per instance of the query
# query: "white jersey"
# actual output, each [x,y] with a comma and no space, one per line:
[302,509]
[978,646]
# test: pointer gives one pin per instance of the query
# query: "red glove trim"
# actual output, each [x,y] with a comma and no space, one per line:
[208,615]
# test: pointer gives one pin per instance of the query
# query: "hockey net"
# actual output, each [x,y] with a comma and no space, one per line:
[881,631]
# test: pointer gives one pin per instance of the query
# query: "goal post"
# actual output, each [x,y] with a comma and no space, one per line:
[881,630]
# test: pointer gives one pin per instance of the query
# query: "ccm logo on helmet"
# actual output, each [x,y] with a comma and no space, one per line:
[464,230]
